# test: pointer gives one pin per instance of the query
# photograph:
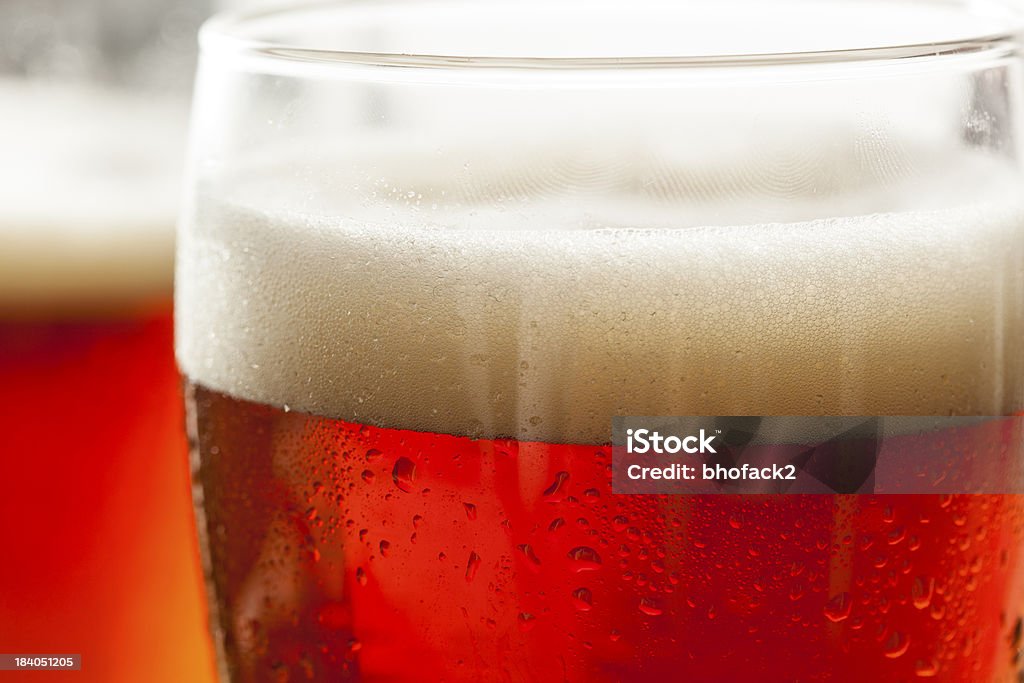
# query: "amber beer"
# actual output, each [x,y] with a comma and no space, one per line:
[98,555]
[401,461]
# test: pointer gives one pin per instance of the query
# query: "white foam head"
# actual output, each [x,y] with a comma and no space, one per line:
[89,184]
[542,325]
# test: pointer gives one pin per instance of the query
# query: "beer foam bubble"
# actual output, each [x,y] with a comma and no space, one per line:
[545,330]
[89,183]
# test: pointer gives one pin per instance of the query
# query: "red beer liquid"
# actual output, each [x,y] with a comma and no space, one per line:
[97,554]
[340,551]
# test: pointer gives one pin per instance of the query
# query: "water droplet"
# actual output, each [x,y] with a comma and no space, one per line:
[360,576]
[385,547]
[527,550]
[735,522]
[614,635]
[896,645]
[362,534]
[372,454]
[556,524]
[404,474]
[556,485]
[526,621]
[585,558]
[368,476]
[583,599]
[650,607]
[591,493]
[838,607]
[472,565]
[416,521]
[921,591]
[926,668]
[470,510]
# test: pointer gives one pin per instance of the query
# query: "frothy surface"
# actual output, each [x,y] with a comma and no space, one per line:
[89,184]
[540,333]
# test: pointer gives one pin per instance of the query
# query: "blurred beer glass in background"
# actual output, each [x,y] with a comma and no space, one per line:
[432,248]
[94,502]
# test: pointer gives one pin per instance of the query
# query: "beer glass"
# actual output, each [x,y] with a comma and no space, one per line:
[431,249]
[98,555]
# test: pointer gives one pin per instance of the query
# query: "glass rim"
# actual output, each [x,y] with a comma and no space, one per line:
[225,32]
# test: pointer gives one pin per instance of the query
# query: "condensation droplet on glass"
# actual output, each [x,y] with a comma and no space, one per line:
[527,550]
[584,559]
[526,621]
[404,474]
[583,599]
[921,591]
[896,645]
[650,607]
[556,485]
[472,565]
[838,607]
